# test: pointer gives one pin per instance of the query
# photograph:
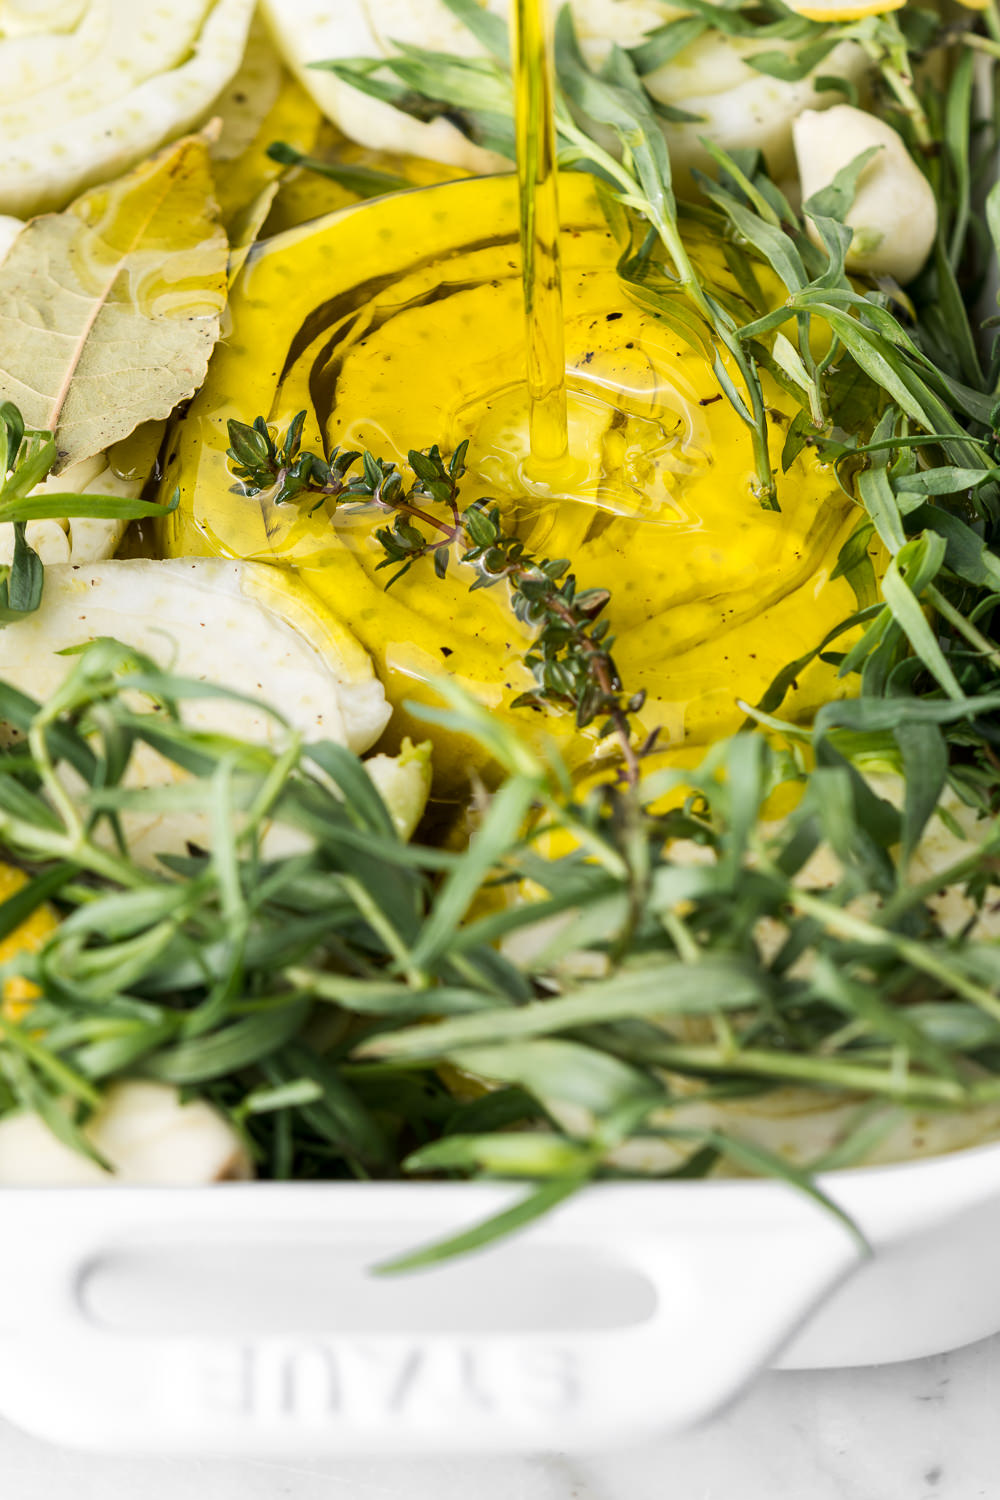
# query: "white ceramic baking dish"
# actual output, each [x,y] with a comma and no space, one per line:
[246,1318]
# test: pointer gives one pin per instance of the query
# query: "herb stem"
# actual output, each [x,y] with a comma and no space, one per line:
[847,924]
[950,875]
[407,508]
[373,914]
[897,74]
[837,1074]
[962,625]
[631,194]
[606,680]
[57,793]
[65,1079]
[599,849]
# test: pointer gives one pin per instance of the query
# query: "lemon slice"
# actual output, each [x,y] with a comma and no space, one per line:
[844,10]
[145,1131]
[18,993]
[243,626]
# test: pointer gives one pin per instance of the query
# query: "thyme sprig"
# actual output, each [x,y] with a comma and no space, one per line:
[570,655]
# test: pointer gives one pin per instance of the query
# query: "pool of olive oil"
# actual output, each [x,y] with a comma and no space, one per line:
[597,430]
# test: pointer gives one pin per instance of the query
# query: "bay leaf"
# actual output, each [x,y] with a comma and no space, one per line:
[110,310]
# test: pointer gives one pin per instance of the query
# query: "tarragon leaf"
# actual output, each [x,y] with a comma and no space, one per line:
[489,30]
[110,310]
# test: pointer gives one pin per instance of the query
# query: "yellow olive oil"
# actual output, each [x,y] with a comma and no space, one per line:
[538,187]
[398,324]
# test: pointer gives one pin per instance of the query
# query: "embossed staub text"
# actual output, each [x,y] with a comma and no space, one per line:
[427,1381]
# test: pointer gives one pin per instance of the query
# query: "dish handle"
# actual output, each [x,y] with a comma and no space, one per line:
[138,1322]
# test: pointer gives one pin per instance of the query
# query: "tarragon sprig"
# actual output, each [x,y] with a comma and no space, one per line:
[366,182]
[370,969]
[570,656]
[27,456]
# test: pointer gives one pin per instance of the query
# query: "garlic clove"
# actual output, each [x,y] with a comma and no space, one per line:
[147,1134]
[894,214]
[31,1156]
[403,782]
[142,1130]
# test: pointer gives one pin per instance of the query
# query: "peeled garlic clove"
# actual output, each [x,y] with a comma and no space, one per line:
[732,103]
[894,214]
[31,1156]
[144,1133]
[403,782]
[147,1135]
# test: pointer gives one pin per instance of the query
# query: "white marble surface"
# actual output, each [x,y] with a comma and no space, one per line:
[923,1431]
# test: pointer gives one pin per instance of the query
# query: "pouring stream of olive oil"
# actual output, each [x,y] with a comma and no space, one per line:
[538,189]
